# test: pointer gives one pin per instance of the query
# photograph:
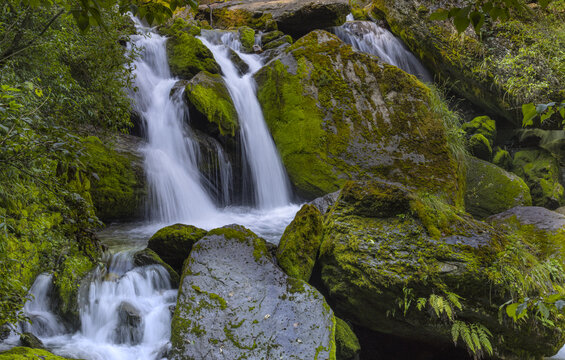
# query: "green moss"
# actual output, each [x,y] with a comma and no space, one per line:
[287,39]
[480,147]
[188,56]
[270,36]
[180,25]
[247,38]
[241,234]
[347,344]
[333,114]
[23,353]
[209,95]
[483,125]
[508,65]
[491,190]
[174,243]
[298,247]
[215,297]
[502,159]
[228,19]
[67,282]
[116,185]
[237,342]
[540,171]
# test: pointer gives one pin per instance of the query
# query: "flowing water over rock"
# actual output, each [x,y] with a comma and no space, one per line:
[270,183]
[370,38]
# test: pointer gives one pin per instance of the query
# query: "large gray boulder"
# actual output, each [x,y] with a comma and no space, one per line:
[235,303]
[540,218]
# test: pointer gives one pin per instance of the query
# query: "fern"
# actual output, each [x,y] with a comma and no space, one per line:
[475,336]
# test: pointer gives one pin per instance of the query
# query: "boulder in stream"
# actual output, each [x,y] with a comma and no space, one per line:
[173,243]
[234,302]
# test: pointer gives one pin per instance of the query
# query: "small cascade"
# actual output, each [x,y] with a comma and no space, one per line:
[370,38]
[171,155]
[39,310]
[125,313]
[270,184]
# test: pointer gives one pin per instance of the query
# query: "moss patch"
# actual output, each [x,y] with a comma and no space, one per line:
[347,344]
[298,247]
[209,95]
[23,353]
[188,56]
[174,243]
[116,186]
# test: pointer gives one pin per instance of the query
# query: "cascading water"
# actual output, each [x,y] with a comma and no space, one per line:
[270,183]
[171,157]
[370,38]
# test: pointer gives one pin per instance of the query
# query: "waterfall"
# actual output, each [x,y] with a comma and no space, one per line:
[171,155]
[125,313]
[270,184]
[370,38]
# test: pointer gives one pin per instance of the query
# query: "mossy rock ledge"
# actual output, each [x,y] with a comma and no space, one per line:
[336,114]
[235,302]
[174,243]
[383,246]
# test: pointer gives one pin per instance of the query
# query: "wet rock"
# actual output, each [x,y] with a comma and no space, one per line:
[31,341]
[541,218]
[234,302]
[130,328]
[347,344]
[325,202]
[149,257]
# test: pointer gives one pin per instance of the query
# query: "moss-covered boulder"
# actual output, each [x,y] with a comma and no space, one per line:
[545,223]
[491,190]
[247,38]
[117,181]
[540,171]
[188,56]
[208,94]
[235,302]
[502,159]
[411,266]
[336,114]
[174,243]
[300,242]
[483,125]
[282,41]
[347,344]
[480,147]
[149,257]
[31,341]
[25,353]
[493,71]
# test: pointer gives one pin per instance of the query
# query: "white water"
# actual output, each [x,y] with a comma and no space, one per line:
[370,38]
[270,184]
[103,336]
[171,156]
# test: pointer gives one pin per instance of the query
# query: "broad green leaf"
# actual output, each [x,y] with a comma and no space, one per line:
[529,113]
[511,310]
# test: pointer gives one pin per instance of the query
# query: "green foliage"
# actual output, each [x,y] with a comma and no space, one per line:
[475,336]
[541,112]
[476,12]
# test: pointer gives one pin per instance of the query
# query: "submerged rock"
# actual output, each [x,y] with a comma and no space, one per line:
[129,330]
[174,243]
[491,190]
[385,249]
[336,114]
[234,302]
